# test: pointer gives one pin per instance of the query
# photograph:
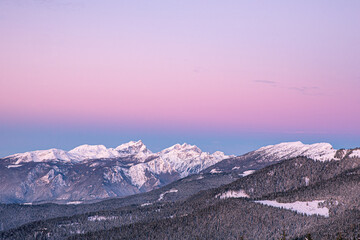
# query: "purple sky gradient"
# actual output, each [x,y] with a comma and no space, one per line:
[179,71]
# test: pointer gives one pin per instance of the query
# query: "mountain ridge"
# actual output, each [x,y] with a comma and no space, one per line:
[90,172]
[88,152]
[94,172]
[250,206]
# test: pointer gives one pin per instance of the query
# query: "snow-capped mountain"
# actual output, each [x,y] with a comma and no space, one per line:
[317,151]
[43,156]
[312,195]
[91,172]
[94,171]
[85,152]
[275,153]
[188,159]
[136,149]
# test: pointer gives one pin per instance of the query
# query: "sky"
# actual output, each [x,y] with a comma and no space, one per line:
[224,75]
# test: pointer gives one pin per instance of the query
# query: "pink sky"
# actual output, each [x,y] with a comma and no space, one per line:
[286,67]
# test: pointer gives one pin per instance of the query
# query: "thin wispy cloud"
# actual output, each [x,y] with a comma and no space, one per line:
[266,82]
[305,90]
[314,91]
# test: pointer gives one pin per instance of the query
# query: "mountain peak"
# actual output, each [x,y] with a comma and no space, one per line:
[185,147]
[132,148]
[87,147]
[84,152]
[42,155]
[316,151]
[93,151]
[188,159]
[130,144]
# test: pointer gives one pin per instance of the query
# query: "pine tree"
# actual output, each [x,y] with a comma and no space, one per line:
[308,237]
[283,237]
[339,237]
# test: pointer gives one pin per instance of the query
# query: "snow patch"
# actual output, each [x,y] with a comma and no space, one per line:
[94,164]
[233,194]
[247,172]
[14,166]
[355,153]
[307,208]
[101,218]
[74,202]
[307,181]
[146,204]
[173,190]
[215,170]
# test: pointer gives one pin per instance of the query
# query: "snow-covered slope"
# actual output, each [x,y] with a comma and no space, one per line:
[136,149]
[355,153]
[84,152]
[309,208]
[44,156]
[317,151]
[271,154]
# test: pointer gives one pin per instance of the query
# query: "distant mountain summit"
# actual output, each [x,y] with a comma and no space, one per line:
[135,149]
[90,172]
[275,153]
[317,151]
[85,152]
[189,159]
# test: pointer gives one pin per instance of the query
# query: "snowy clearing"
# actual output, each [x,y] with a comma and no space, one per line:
[307,208]
[74,202]
[146,204]
[100,218]
[232,194]
[215,170]
[14,166]
[246,173]
[161,197]
[355,153]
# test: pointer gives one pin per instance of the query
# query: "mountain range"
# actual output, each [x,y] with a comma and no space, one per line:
[290,189]
[95,172]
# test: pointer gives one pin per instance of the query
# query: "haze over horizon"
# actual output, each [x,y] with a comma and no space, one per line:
[229,76]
